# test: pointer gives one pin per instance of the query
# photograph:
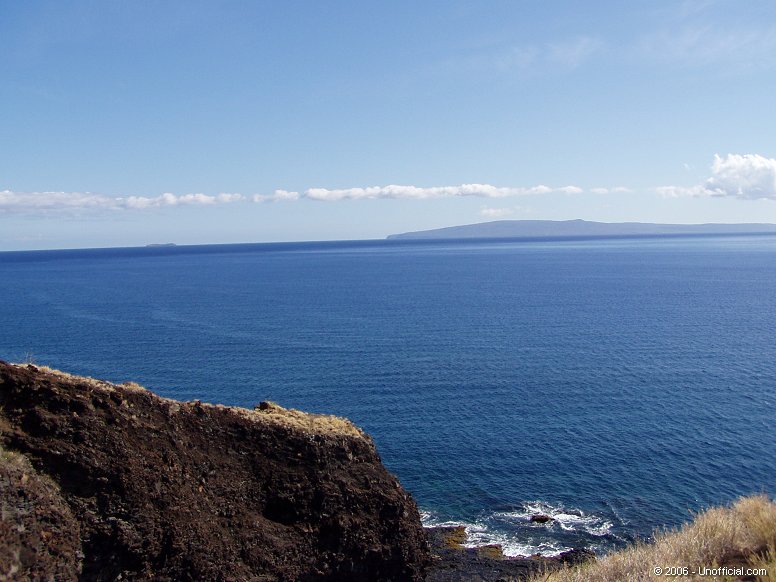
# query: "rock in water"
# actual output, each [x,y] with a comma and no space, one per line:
[541,518]
[134,486]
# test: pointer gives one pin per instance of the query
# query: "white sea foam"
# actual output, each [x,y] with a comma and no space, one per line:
[519,536]
[511,545]
[567,519]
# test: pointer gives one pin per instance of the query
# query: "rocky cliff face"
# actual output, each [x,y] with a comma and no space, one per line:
[105,482]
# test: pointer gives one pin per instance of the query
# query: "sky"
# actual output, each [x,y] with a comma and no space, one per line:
[130,123]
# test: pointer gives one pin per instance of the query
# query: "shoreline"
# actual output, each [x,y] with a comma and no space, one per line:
[453,559]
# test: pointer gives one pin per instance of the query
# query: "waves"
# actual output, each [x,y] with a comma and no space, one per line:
[611,387]
[538,527]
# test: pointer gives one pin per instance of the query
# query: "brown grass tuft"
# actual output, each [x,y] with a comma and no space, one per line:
[742,535]
[305,421]
[766,561]
[102,385]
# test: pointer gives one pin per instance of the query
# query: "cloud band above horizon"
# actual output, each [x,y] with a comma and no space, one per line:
[47,202]
[398,192]
[50,202]
[747,176]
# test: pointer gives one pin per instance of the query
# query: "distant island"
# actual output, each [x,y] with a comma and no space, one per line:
[162,245]
[578,228]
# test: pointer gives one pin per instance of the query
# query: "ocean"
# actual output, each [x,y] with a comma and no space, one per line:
[617,385]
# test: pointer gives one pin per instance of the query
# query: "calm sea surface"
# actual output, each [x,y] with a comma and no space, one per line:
[615,384]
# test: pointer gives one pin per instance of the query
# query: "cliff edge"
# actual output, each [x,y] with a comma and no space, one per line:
[100,481]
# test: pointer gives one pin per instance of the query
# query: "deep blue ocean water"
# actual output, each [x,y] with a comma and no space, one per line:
[616,384]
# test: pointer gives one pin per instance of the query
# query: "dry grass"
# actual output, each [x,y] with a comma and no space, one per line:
[102,385]
[766,561]
[743,535]
[306,422]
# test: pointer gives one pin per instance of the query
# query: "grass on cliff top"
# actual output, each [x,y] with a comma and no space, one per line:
[307,422]
[743,535]
[266,412]
[93,382]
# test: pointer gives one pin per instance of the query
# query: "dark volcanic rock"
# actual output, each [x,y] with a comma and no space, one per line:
[452,562]
[575,557]
[133,486]
[38,533]
[541,518]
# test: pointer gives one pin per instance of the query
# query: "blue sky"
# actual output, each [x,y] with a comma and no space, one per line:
[127,123]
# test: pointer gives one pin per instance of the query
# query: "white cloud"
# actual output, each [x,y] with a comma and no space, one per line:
[495,212]
[13,202]
[72,202]
[412,192]
[167,199]
[571,190]
[50,202]
[225,198]
[397,192]
[747,176]
[277,196]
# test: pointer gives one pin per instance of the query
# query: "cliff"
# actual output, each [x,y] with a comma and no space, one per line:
[103,482]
